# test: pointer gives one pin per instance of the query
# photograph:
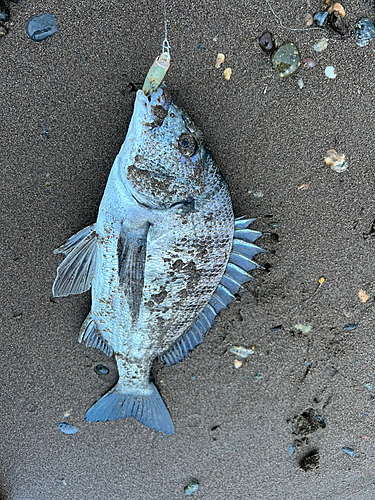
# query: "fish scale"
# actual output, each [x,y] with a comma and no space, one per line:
[164,257]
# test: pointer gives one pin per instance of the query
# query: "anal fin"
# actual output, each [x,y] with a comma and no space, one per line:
[91,338]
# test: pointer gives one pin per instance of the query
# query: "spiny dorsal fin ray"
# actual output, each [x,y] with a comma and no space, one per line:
[131,250]
[74,274]
[235,275]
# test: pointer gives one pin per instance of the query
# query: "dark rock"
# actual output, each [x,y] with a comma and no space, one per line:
[364,31]
[41,26]
[310,461]
[337,23]
[4,11]
[266,42]
[320,18]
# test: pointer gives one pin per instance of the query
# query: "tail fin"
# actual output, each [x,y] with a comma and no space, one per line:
[149,409]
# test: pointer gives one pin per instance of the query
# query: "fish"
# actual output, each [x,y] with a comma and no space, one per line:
[163,258]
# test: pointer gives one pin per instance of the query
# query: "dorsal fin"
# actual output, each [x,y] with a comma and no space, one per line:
[236,274]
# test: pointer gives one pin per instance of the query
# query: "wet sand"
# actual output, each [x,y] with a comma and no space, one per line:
[232,428]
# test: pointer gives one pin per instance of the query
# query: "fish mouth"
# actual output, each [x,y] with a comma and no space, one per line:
[153,110]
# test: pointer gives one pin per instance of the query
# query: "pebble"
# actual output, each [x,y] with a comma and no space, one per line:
[336,22]
[286,60]
[300,83]
[369,386]
[4,11]
[350,326]
[237,364]
[241,351]
[64,483]
[274,224]
[363,297]
[335,161]
[291,449]
[45,132]
[320,18]
[3,31]
[266,42]
[364,32]
[330,72]
[192,487]
[348,451]
[308,363]
[308,63]
[193,377]
[227,73]
[101,369]
[278,327]
[219,60]
[321,45]
[258,375]
[67,428]
[303,328]
[40,27]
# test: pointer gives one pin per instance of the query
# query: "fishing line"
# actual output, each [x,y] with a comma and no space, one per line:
[165,47]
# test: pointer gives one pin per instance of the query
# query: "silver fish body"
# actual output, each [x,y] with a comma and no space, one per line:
[158,258]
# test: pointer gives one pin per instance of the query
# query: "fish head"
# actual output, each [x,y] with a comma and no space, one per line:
[165,153]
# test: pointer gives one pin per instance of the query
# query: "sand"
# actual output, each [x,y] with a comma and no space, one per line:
[269,137]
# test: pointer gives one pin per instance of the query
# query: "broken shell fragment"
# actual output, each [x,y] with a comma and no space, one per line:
[330,72]
[237,364]
[241,351]
[219,60]
[227,73]
[321,45]
[363,297]
[335,161]
[364,32]
[286,60]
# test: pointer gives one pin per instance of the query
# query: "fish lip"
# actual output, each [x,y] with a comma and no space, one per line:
[154,109]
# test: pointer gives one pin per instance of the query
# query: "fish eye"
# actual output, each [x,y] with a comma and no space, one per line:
[187,145]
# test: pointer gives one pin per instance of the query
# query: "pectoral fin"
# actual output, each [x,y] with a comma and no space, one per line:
[74,274]
[131,250]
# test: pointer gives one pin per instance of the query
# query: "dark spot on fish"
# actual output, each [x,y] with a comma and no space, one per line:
[159,113]
[159,297]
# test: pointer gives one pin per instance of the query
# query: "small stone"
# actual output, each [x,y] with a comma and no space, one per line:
[335,161]
[308,63]
[4,11]
[193,377]
[338,8]
[303,328]
[291,449]
[40,27]
[309,19]
[3,31]
[45,132]
[369,386]
[67,428]
[348,451]
[192,487]
[237,364]
[321,45]
[241,351]
[286,60]
[330,72]
[64,483]
[300,83]
[308,363]
[278,327]
[320,18]
[202,47]
[363,297]
[255,193]
[227,73]
[364,31]
[101,369]
[350,326]
[266,42]
[219,60]
[303,187]
[336,22]
[258,375]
